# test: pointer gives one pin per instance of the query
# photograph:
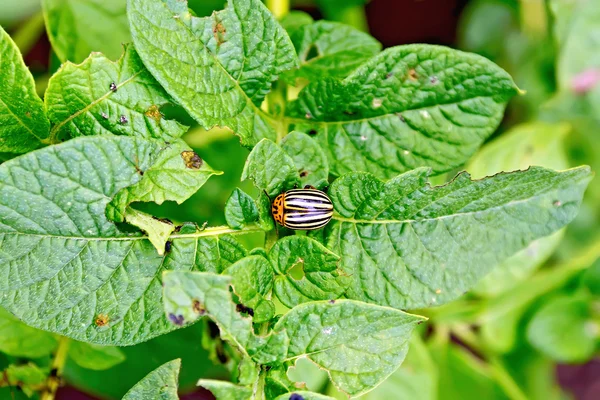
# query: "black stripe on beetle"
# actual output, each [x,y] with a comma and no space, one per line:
[302,209]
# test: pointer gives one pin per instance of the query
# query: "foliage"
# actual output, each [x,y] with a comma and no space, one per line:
[105,185]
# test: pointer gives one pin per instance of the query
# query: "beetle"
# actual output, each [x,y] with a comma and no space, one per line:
[302,209]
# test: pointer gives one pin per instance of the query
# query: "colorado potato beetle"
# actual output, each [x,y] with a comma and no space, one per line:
[302,209]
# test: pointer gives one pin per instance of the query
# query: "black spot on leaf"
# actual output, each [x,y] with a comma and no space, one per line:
[176,319]
[113,87]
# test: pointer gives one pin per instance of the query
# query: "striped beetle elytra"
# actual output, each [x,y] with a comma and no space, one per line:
[302,209]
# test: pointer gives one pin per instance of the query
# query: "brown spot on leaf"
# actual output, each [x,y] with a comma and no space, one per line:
[197,307]
[219,31]
[191,159]
[101,320]
[303,174]
[154,113]
[412,74]
[27,114]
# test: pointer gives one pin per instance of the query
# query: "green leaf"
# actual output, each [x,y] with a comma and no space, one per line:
[330,50]
[20,340]
[176,174]
[95,357]
[66,268]
[538,144]
[224,66]
[78,28]
[190,295]
[277,382]
[309,158]
[240,210]
[158,384]
[252,281]
[270,168]
[158,231]
[358,344]
[27,377]
[248,371]
[409,245]
[577,31]
[415,379]
[304,396]
[100,96]
[23,123]
[226,390]
[320,278]
[295,20]
[409,106]
[563,330]
[462,375]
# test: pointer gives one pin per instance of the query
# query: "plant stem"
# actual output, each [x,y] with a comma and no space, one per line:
[258,392]
[354,16]
[279,8]
[534,20]
[270,238]
[505,380]
[58,364]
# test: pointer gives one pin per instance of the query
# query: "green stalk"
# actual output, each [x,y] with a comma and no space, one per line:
[505,380]
[58,364]
[279,8]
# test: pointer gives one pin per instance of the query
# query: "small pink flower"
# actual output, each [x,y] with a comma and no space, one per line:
[585,81]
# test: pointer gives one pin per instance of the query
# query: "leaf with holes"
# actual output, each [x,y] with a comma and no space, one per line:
[65,267]
[77,28]
[176,174]
[252,281]
[309,158]
[407,107]
[330,50]
[190,295]
[224,66]
[161,384]
[347,339]
[409,245]
[104,97]
[23,123]
[319,278]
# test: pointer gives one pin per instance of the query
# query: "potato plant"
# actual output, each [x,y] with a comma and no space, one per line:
[419,252]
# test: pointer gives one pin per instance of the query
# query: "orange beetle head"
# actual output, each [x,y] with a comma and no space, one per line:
[277,209]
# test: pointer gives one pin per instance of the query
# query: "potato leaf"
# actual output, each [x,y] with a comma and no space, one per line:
[358,344]
[161,384]
[330,50]
[99,96]
[224,64]
[23,123]
[66,268]
[95,357]
[77,28]
[409,106]
[270,168]
[409,245]
[226,391]
[191,295]
[310,160]
[319,277]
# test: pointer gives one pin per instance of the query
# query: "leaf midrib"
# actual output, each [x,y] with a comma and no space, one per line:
[512,203]
[59,126]
[215,231]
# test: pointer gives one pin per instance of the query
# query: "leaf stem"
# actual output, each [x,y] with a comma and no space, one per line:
[258,392]
[279,8]
[505,380]
[270,238]
[58,364]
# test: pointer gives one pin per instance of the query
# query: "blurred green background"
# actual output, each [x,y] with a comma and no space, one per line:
[531,329]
